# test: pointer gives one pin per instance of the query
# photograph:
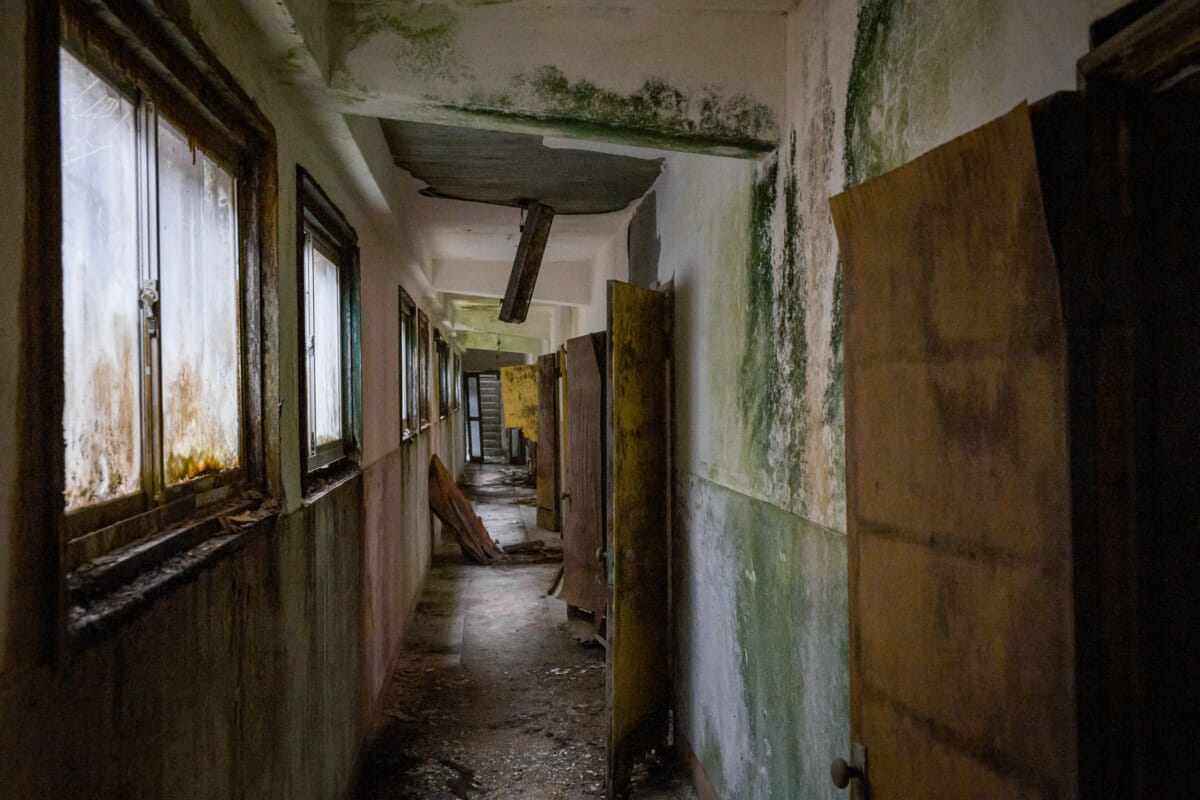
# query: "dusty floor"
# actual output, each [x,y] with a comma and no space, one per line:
[494,699]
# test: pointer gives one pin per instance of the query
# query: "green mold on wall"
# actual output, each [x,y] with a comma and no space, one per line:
[426,37]
[784,577]
[655,106]
[906,55]
[773,385]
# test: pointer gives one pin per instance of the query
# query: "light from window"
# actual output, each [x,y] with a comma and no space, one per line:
[102,414]
[324,368]
[198,262]
[150,298]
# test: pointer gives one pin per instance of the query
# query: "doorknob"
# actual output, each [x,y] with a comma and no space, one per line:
[842,773]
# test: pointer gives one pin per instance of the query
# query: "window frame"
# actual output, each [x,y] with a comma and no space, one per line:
[321,222]
[456,381]
[423,356]
[140,49]
[410,424]
[443,370]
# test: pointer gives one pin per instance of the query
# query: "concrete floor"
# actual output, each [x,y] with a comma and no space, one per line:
[493,698]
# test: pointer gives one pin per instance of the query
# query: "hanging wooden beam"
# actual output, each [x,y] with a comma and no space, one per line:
[534,235]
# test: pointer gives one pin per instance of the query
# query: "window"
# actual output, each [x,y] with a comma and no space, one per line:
[328,272]
[443,356]
[409,381]
[163,231]
[456,383]
[423,355]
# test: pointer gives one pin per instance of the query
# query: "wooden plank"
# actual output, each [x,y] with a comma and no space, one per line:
[584,583]
[548,486]
[962,672]
[1153,52]
[639,683]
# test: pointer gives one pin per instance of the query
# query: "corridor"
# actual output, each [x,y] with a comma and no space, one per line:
[492,697]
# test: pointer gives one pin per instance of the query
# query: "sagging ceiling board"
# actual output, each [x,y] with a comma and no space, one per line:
[512,169]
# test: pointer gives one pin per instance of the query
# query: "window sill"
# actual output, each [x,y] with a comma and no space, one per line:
[106,592]
[321,483]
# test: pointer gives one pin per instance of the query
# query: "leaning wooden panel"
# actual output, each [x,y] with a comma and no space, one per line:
[548,490]
[639,686]
[584,585]
[962,656]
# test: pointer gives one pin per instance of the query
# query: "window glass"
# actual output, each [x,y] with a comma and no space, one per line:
[325,361]
[102,412]
[199,290]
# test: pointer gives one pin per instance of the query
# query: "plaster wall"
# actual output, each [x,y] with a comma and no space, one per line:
[558,281]
[611,263]
[760,553]
[259,677]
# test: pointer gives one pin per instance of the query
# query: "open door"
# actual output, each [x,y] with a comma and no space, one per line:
[548,451]
[962,660]
[584,588]
[639,670]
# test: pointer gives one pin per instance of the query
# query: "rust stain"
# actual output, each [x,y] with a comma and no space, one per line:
[194,444]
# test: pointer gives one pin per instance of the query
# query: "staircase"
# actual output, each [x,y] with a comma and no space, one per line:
[492,417]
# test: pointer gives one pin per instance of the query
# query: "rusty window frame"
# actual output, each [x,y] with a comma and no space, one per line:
[139,49]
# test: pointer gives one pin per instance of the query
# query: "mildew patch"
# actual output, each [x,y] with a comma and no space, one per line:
[908,56]
[423,41]
[774,373]
[766,718]
[655,106]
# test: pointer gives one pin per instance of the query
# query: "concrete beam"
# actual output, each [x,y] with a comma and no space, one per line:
[702,80]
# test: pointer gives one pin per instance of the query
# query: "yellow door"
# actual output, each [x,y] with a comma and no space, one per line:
[639,685]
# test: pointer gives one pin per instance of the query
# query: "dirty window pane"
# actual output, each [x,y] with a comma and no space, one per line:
[101,417]
[198,286]
[473,397]
[325,359]
[476,440]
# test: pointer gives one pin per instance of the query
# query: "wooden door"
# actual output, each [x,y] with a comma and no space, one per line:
[584,586]
[639,671]
[548,451]
[958,483]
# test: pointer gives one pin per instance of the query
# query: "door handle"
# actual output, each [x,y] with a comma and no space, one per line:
[842,773]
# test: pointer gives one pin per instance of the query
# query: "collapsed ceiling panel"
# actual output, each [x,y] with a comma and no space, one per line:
[512,168]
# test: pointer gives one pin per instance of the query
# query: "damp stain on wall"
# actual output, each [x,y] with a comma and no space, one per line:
[654,106]
[423,41]
[907,58]
[773,385]
[768,726]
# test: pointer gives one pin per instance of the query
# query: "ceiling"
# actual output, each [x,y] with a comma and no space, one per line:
[472,182]
[513,168]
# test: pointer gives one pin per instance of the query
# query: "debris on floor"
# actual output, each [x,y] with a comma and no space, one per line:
[492,699]
[453,509]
